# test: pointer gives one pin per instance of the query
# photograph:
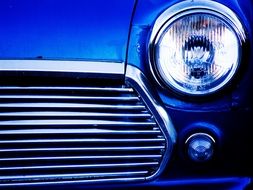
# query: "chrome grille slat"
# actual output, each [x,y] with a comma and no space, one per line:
[74,114]
[84,123]
[76,131]
[53,134]
[53,88]
[82,181]
[81,166]
[71,105]
[82,140]
[134,156]
[120,148]
[70,176]
[101,98]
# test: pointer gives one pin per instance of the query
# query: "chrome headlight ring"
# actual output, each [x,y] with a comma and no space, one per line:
[195,47]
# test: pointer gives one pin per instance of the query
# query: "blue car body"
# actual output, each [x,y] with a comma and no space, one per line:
[119,31]
[72,29]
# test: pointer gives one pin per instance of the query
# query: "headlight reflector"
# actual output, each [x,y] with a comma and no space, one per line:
[197,53]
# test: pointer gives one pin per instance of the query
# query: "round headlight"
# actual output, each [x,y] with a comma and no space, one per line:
[197,51]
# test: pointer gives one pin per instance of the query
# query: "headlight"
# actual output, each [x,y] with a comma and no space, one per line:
[197,51]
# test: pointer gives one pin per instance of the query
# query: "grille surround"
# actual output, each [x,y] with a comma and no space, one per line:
[134,80]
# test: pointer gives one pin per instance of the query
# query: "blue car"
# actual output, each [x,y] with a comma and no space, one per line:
[126,94]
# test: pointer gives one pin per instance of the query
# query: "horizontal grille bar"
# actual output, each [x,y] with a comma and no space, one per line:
[121,148]
[76,131]
[85,181]
[71,105]
[60,88]
[73,114]
[29,97]
[82,140]
[51,134]
[75,122]
[134,156]
[81,166]
[78,175]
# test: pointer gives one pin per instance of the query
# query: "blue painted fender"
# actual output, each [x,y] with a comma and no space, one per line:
[61,29]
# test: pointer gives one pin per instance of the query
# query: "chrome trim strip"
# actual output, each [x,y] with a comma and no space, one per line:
[90,181]
[87,67]
[73,114]
[82,140]
[81,166]
[136,79]
[54,97]
[63,88]
[75,122]
[135,156]
[72,105]
[76,131]
[120,148]
[71,176]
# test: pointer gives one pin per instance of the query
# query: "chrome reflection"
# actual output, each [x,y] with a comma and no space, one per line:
[136,79]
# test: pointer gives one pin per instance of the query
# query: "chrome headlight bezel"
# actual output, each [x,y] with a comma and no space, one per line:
[180,10]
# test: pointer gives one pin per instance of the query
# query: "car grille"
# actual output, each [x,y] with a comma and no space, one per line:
[76,134]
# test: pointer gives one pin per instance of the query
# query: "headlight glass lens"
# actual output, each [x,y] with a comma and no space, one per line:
[197,54]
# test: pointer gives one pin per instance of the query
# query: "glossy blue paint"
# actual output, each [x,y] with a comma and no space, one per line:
[62,29]
[98,30]
[228,183]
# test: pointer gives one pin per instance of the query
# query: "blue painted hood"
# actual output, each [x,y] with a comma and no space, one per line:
[65,29]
